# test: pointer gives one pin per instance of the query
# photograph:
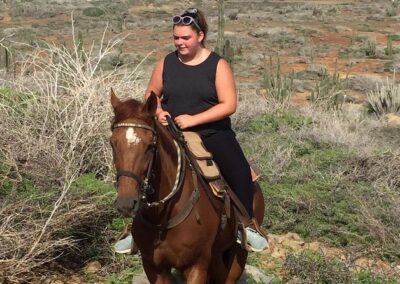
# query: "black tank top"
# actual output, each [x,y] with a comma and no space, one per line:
[191,90]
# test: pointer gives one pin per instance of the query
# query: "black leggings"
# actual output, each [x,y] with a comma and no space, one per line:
[233,165]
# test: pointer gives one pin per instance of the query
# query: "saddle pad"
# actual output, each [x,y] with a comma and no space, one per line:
[203,158]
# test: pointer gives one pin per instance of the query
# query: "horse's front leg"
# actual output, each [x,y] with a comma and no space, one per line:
[196,274]
[156,276]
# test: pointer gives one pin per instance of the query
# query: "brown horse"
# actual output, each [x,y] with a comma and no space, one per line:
[176,222]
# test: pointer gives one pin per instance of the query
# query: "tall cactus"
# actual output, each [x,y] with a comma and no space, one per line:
[221,22]
[228,52]
[7,59]
[389,47]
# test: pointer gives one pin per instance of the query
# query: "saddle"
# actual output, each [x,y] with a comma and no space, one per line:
[207,166]
[211,175]
[205,163]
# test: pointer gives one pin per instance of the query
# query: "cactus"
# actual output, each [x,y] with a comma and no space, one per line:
[228,52]
[389,47]
[7,59]
[220,37]
[278,86]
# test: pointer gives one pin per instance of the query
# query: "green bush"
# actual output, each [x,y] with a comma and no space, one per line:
[11,99]
[93,12]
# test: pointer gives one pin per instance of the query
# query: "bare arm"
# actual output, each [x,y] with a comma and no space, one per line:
[226,92]
[155,85]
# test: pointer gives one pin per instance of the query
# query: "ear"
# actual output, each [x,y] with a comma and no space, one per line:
[201,36]
[115,101]
[151,104]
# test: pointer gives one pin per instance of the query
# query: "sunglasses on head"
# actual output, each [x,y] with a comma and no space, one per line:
[186,20]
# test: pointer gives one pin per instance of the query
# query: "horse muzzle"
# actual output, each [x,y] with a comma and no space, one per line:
[127,207]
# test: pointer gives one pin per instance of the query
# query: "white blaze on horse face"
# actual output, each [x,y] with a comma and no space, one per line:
[131,136]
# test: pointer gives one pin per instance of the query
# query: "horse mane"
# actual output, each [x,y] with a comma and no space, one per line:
[130,109]
[166,137]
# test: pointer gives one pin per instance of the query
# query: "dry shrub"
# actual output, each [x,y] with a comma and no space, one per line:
[349,127]
[380,207]
[376,169]
[58,131]
[251,104]
[22,222]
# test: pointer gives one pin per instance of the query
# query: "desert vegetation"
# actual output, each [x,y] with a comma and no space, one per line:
[317,112]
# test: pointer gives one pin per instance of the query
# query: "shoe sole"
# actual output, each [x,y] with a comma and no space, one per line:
[251,248]
[123,251]
[256,250]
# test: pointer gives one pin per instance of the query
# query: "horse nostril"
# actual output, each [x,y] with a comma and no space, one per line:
[126,208]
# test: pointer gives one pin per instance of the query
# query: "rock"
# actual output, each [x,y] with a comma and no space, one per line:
[262,92]
[256,275]
[93,267]
[75,280]
[363,263]
[314,246]
[140,279]
[278,252]
[392,119]
[318,69]
[342,29]
[261,32]
[383,266]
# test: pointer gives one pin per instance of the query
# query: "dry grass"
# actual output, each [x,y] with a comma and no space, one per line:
[349,126]
[58,131]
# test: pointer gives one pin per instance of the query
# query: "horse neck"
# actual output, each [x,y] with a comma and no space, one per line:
[166,163]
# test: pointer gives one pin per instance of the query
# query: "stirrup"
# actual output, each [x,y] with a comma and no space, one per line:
[241,228]
[254,225]
[242,240]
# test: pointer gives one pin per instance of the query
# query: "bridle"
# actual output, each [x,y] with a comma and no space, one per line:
[144,184]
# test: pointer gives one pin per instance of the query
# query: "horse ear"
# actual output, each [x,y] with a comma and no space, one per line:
[115,101]
[151,104]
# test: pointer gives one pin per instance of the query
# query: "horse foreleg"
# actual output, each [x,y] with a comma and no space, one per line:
[156,276]
[236,263]
[196,274]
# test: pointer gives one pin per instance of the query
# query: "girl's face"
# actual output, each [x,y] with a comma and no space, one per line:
[187,41]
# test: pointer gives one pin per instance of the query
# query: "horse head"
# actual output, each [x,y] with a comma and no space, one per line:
[133,144]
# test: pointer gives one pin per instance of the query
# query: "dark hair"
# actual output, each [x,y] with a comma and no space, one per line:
[200,19]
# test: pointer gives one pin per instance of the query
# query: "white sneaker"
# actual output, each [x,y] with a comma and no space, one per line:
[255,241]
[124,245]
